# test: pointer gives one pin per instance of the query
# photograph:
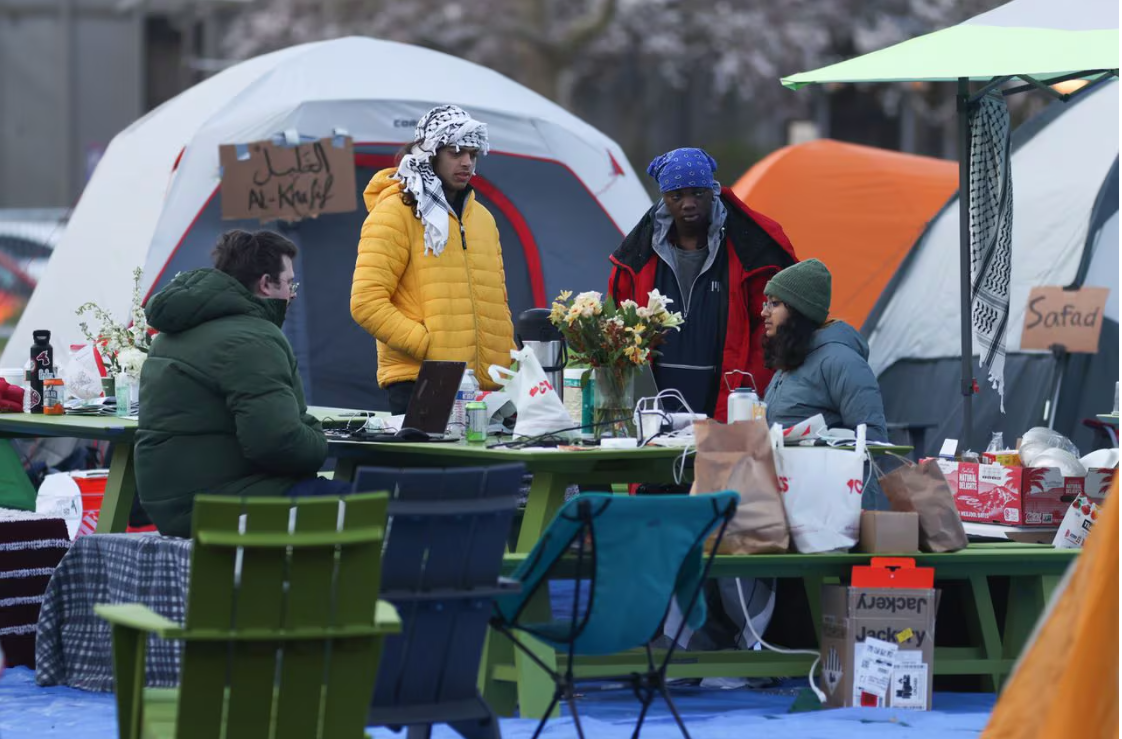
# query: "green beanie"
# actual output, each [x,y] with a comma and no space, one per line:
[805,287]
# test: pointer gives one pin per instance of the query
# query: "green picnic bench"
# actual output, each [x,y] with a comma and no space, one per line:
[1032,572]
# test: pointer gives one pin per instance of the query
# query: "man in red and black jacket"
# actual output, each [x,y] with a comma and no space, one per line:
[712,255]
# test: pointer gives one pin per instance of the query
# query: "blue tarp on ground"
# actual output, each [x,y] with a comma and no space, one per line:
[31,712]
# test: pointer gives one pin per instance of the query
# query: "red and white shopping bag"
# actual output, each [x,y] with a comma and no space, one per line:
[538,405]
[821,489]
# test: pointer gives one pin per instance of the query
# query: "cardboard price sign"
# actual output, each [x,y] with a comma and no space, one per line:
[1070,318]
[268,182]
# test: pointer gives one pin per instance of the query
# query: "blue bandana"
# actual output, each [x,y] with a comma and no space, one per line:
[683,168]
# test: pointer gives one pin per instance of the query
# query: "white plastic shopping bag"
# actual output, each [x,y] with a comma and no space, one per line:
[540,410]
[60,497]
[821,489]
[80,373]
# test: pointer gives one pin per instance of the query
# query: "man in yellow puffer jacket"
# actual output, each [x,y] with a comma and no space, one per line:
[429,280]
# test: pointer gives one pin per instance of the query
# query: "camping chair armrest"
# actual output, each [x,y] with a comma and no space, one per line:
[140,618]
[386,619]
[130,623]
[509,585]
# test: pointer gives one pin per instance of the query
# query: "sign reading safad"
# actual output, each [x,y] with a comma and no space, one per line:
[1019,496]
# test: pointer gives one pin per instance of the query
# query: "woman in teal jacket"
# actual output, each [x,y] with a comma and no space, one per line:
[821,365]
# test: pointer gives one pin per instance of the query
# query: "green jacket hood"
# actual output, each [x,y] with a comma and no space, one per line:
[203,295]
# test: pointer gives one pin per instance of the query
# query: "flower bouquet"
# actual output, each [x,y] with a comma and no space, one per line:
[123,346]
[614,340]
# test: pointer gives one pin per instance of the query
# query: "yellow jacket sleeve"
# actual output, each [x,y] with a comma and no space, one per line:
[506,297]
[383,255]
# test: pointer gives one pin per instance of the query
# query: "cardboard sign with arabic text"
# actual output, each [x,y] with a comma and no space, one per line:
[268,182]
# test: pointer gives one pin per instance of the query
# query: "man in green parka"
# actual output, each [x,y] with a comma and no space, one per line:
[222,408]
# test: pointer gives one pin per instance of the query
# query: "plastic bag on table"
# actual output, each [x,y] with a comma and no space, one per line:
[540,411]
[80,373]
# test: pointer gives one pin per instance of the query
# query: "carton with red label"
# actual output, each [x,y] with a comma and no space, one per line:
[1019,496]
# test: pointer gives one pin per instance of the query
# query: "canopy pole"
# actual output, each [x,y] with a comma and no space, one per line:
[964,261]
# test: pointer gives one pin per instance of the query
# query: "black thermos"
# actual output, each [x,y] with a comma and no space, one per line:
[42,367]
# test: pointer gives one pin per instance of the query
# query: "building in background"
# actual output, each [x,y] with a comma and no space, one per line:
[74,73]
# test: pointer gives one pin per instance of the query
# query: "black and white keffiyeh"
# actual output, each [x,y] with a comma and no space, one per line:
[445,125]
[991,234]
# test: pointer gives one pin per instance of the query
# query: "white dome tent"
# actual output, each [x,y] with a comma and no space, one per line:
[1065,232]
[562,193]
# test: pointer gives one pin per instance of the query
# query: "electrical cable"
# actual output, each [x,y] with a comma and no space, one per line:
[817,655]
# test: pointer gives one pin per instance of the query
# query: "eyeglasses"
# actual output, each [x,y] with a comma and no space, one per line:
[293,286]
[770,305]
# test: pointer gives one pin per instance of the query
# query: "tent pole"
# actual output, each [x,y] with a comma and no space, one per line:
[964,261]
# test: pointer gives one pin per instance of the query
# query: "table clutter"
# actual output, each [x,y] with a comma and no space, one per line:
[1042,482]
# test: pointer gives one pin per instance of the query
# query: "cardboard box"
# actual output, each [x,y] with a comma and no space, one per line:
[903,619]
[1019,496]
[889,532]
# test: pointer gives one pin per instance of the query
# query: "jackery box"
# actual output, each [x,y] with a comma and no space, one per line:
[878,637]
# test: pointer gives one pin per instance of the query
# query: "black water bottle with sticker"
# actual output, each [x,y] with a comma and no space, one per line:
[42,367]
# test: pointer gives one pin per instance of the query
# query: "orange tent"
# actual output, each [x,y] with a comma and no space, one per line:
[1066,683]
[856,208]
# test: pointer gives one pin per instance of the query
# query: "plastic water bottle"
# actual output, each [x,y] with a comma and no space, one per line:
[469,388]
[28,369]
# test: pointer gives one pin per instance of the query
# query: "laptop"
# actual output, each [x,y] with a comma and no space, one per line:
[434,394]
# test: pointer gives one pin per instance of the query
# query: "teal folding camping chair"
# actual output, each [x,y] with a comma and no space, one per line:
[637,555]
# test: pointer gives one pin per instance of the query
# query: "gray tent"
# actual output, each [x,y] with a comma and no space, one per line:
[1065,191]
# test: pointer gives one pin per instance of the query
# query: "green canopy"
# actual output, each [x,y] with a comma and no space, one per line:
[975,52]
[1039,41]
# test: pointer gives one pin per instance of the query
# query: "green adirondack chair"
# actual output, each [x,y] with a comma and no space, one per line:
[284,627]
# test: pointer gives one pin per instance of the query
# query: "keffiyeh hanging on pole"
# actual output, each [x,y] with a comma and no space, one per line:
[446,125]
[991,234]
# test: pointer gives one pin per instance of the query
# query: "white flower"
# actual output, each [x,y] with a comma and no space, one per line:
[131,360]
[588,304]
[672,320]
[657,302]
[112,338]
[629,304]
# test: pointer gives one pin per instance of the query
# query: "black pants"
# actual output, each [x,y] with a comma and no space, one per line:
[399,394]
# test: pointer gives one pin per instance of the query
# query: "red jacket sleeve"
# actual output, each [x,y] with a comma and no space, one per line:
[620,285]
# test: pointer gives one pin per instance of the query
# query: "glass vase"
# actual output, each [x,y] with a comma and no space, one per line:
[613,406]
[109,386]
[125,391]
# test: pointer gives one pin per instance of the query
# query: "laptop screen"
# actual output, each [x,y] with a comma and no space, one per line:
[433,396]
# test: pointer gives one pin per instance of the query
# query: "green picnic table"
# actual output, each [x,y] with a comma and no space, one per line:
[508,679]
[1033,571]
[120,489]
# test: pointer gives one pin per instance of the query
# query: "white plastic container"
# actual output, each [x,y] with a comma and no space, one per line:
[14,375]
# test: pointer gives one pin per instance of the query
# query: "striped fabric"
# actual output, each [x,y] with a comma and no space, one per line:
[31,546]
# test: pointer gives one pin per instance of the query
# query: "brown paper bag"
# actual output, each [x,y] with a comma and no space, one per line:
[738,457]
[923,489]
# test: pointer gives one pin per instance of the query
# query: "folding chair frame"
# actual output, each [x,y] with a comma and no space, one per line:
[646,685]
